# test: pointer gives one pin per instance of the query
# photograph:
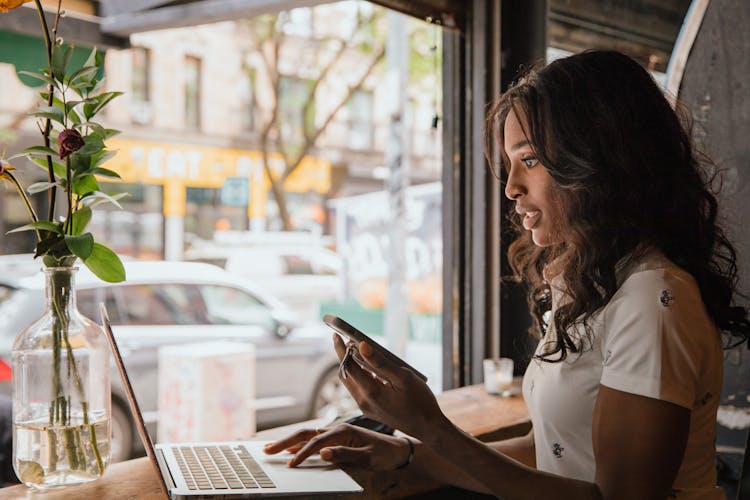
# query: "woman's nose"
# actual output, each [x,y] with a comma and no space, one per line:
[513,188]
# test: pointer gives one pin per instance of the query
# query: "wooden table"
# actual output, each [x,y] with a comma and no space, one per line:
[484,416]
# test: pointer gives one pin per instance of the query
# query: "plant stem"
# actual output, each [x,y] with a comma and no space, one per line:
[26,202]
[52,437]
[95,446]
[50,102]
[68,229]
[60,298]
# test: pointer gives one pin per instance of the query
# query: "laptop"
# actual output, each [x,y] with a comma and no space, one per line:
[227,469]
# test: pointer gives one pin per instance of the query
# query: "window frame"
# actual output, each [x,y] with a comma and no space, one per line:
[471,196]
[190,59]
[145,75]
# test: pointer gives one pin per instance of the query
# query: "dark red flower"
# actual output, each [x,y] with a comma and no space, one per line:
[70,141]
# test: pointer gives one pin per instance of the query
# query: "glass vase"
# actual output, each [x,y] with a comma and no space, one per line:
[61,392]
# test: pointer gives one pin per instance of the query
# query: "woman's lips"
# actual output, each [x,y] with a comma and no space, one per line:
[530,219]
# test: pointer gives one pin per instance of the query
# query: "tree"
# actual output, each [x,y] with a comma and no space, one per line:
[269,39]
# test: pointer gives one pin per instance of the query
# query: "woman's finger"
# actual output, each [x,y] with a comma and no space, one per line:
[293,441]
[339,345]
[359,382]
[346,455]
[385,367]
[333,437]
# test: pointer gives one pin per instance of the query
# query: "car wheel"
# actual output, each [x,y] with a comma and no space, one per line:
[121,443]
[331,399]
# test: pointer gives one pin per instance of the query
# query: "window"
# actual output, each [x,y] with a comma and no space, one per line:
[88,300]
[298,22]
[293,93]
[162,304]
[231,306]
[247,100]
[140,104]
[360,120]
[141,73]
[297,264]
[192,91]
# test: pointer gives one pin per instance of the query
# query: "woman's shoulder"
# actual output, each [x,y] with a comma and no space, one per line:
[651,270]
[652,287]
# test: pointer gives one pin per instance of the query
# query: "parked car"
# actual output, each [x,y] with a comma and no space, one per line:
[168,303]
[302,276]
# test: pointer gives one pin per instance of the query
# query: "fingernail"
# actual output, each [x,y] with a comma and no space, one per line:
[365,348]
[326,454]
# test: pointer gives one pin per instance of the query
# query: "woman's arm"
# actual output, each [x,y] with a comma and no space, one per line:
[638,444]
[348,444]
[638,441]
[437,467]
[518,448]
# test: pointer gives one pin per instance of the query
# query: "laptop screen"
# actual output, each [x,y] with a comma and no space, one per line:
[134,408]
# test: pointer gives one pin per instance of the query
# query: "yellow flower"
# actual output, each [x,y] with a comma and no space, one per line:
[6,5]
[5,168]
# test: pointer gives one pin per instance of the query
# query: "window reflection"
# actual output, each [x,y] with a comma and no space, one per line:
[231,306]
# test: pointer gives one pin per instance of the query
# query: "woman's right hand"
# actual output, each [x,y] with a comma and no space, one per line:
[346,444]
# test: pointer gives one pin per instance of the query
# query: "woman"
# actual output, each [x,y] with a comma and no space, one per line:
[630,281]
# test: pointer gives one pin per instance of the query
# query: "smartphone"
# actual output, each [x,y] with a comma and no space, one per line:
[356,336]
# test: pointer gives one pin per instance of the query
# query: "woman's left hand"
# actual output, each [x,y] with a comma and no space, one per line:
[346,444]
[405,402]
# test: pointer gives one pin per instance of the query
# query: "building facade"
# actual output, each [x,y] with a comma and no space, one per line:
[197,101]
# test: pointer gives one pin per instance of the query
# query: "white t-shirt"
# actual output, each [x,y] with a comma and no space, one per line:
[655,339]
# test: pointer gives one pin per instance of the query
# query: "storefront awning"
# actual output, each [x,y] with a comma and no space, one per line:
[27,53]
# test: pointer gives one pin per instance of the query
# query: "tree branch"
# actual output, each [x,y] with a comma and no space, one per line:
[310,140]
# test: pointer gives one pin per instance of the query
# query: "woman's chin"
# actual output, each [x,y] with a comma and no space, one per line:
[540,238]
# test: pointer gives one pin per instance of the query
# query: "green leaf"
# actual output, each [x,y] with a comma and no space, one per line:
[38,187]
[98,84]
[74,117]
[42,151]
[80,220]
[81,246]
[58,103]
[84,185]
[51,112]
[58,167]
[102,99]
[104,263]
[67,107]
[105,172]
[80,164]
[110,132]
[38,76]
[84,73]
[92,143]
[92,59]
[41,224]
[61,55]
[97,198]
[95,128]
[82,85]
[102,157]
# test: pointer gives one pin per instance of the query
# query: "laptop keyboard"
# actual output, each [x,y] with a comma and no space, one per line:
[220,467]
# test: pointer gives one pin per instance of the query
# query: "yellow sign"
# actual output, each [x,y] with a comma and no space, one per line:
[177,166]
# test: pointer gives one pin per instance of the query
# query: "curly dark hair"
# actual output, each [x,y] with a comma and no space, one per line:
[629,177]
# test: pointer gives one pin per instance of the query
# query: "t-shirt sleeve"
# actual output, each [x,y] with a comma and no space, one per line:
[654,328]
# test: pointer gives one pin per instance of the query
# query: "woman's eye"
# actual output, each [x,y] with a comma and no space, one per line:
[529,161]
